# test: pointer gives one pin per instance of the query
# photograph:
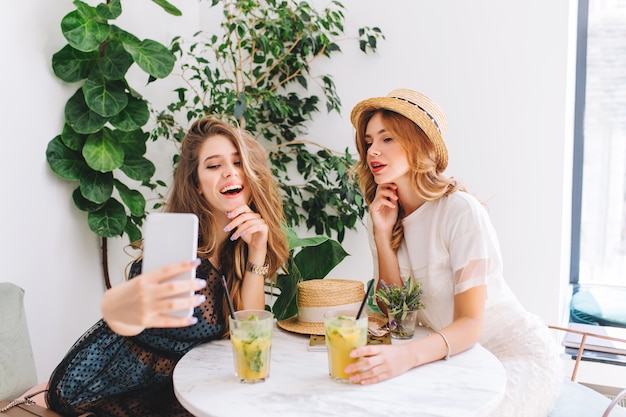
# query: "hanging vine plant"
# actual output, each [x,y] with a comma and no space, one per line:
[257,71]
[103,142]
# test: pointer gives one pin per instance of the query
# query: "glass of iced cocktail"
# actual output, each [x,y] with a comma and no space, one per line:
[344,333]
[251,338]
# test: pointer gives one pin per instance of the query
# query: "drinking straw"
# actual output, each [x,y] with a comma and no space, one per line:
[230,303]
[369,288]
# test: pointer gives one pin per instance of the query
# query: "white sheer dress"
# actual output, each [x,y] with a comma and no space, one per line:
[456,233]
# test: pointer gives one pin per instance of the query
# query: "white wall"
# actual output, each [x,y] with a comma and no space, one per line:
[502,71]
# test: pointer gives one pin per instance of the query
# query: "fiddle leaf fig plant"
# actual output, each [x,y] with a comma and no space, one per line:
[103,142]
[257,70]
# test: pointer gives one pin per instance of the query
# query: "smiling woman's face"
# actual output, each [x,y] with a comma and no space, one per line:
[222,181]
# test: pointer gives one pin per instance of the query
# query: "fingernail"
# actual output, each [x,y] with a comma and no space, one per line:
[200,298]
[233,237]
[195,262]
[200,283]
[242,234]
[229,215]
[192,320]
[227,228]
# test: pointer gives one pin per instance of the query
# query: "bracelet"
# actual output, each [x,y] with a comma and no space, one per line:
[257,269]
[445,339]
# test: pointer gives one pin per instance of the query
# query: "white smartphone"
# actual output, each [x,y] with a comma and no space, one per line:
[170,238]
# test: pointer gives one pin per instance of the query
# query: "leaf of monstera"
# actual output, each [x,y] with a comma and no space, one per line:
[102,151]
[63,161]
[114,64]
[317,261]
[71,65]
[107,98]
[96,186]
[133,199]
[168,7]
[152,57]
[80,117]
[109,221]
[133,116]
[138,168]
[84,29]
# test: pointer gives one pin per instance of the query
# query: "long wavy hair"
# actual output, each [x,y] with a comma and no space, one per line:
[427,182]
[264,199]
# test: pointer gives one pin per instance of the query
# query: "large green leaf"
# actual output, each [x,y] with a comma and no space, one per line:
[96,186]
[285,305]
[109,221]
[102,151]
[294,241]
[133,142]
[82,203]
[115,62]
[138,168]
[152,57]
[63,161]
[133,199]
[134,116]
[84,31]
[80,117]
[168,7]
[107,98]
[309,259]
[133,232]
[71,65]
[72,139]
[109,11]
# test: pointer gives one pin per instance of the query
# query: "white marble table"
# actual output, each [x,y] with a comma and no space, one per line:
[469,384]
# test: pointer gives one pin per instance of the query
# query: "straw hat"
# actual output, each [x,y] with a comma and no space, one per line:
[317,296]
[416,107]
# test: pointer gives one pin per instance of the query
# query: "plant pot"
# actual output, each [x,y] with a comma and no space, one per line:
[402,325]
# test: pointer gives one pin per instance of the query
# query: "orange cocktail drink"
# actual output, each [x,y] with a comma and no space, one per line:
[343,334]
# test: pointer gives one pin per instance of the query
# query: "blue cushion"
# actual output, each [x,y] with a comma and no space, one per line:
[603,306]
[577,400]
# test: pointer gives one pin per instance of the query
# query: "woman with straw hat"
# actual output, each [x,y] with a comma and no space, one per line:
[123,365]
[425,225]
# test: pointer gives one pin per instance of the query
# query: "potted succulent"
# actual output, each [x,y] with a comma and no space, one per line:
[402,304]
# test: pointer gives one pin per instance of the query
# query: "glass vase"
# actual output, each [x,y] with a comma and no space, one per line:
[402,324]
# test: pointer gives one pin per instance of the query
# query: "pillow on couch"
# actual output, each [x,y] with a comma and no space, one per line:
[17,364]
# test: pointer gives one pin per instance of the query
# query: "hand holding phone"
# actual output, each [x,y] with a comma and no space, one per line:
[169,238]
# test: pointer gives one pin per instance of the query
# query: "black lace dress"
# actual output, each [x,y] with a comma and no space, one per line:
[113,375]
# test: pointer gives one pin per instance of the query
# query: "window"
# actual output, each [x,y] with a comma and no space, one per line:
[599,188]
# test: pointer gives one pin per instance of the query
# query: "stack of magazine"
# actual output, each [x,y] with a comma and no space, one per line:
[597,349]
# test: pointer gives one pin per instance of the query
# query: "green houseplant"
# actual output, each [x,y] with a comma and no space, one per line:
[257,70]
[103,141]
[310,258]
[402,304]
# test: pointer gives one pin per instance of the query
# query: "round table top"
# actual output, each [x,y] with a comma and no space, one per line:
[471,383]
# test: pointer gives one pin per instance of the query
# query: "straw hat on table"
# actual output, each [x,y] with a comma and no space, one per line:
[317,296]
